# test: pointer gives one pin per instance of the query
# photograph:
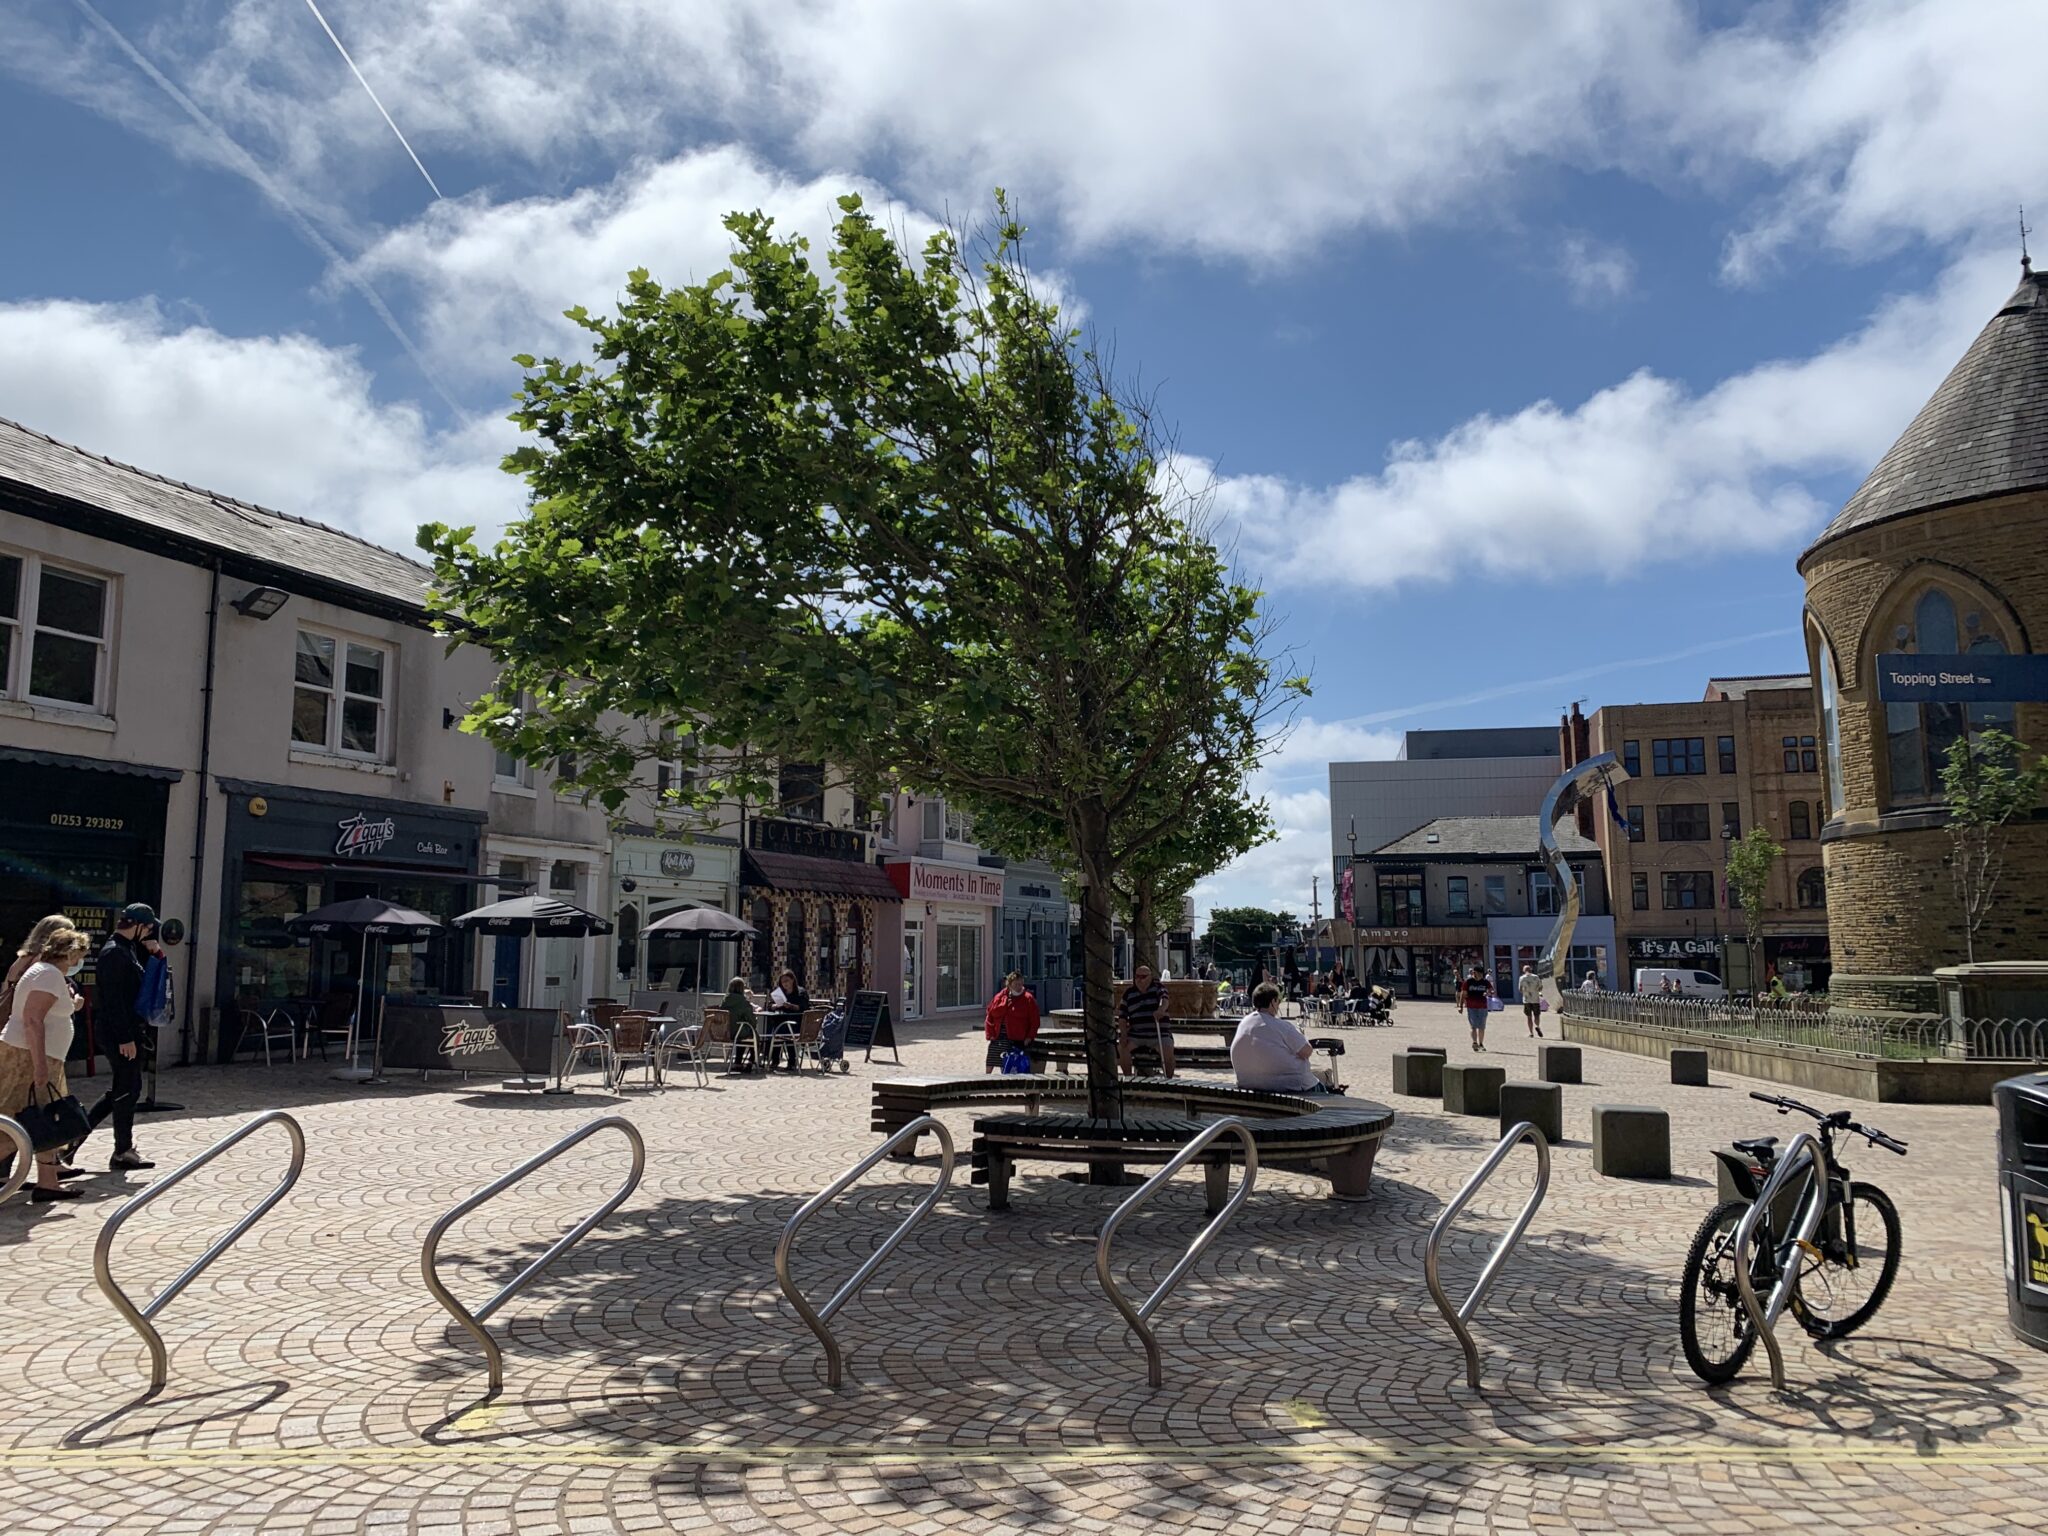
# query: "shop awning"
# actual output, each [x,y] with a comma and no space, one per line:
[394,871]
[825,877]
[90,764]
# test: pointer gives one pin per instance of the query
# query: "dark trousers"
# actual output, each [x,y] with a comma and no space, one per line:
[123,1090]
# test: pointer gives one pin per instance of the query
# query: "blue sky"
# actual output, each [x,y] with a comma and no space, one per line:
[1520,344]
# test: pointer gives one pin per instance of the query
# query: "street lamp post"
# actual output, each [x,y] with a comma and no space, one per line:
[1357,949]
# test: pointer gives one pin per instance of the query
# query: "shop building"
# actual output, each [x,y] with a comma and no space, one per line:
[1037,939]
[950,906]
[655,874]
[1490,771]
[823,909]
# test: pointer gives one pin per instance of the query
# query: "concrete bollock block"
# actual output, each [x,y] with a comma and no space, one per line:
[1688,1067]
[1559,1064]
[1471,1089]
[1419,1074]
[1631,1141]
[1541,1104]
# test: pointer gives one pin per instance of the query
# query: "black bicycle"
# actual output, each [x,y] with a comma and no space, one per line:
[1837,1238]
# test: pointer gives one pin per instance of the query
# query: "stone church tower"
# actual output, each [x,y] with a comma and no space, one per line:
[1944,549]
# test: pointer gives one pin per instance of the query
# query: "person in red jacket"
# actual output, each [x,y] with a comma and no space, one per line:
[1011,1020]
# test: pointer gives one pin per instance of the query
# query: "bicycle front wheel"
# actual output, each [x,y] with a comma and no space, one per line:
[1841,1288]
[1712,1323]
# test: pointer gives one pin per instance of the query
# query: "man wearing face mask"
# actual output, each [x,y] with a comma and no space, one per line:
[118,1026]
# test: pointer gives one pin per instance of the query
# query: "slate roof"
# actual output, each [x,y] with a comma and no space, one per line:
[1481,837]
[1983,433]
[170,510]
[1736,687]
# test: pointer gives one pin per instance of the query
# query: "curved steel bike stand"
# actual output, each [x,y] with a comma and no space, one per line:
[1139,1317]
[24,1158]
[1802,1156]
[1460,1317]
[818,1319]
[140,1318]
[474,1321]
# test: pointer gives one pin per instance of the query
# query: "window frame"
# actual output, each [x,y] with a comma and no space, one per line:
[1458,896]
[1494,893]
[1896,626]
[1731,820]
[1632,758]
[1724,752]
[1808,879]
[1673,894]
[1636,834]
[338,695]
[1798,826]
[1694,752]
[1639,891]
[25,625]
[1667,822]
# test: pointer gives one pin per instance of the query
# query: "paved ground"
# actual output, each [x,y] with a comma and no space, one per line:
[657,1381]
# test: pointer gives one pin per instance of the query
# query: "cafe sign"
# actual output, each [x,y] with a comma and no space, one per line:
[361,837]
[678,862]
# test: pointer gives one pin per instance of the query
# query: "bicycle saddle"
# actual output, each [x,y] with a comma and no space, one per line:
[1757,1146]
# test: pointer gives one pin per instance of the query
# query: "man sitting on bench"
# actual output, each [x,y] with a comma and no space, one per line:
[1141,1016]
[1269,1052]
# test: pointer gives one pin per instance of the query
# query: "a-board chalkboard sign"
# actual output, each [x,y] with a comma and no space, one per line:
[868,1025]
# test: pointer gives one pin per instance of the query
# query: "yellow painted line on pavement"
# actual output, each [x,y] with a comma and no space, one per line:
[1328,1454]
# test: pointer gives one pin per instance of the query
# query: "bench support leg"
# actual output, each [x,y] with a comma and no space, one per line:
[1351,1172]
[907,1153]
[1216,1185]
[998,1181]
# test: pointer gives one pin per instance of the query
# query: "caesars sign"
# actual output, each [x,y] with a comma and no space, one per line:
[921,880]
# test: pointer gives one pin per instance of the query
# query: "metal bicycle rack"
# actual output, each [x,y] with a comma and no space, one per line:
[818,1319]
[474,1321]
[1139,1316]
[1460,1317]
[24,1158]
[141,1318]
[1803,1155]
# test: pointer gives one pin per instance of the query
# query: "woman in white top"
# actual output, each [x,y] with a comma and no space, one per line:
[37,1038]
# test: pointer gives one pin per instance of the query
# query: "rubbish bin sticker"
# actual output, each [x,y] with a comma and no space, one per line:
[2034,1241]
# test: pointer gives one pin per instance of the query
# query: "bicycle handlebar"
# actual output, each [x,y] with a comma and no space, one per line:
[1839,1119]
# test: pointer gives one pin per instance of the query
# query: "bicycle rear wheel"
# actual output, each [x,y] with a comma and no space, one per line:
[1842,1289]
[1712,1324]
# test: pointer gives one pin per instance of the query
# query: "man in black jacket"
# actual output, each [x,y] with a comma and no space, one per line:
[118,1027]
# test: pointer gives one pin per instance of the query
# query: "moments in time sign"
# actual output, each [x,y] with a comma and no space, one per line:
[1972,679]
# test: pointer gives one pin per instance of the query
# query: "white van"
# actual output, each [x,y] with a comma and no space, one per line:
[1706,984]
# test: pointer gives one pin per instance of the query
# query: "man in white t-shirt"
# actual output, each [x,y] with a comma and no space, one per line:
[1269,1052]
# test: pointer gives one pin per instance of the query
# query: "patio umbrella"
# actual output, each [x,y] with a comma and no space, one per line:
[529,917]
[366,917]
[706,923]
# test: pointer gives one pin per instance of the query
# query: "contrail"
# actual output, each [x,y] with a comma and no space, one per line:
[351,63]
[243,161]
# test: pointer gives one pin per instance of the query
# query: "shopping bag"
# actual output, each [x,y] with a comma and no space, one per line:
[1015,1061]
[1495,1005]
[57,1122]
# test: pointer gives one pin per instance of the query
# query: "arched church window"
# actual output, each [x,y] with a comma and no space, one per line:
[1918,735]
[1813,889]
[1831,726]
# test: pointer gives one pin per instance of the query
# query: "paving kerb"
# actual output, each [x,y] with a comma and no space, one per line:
[656,1380]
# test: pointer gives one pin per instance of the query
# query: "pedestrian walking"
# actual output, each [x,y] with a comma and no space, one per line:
[1530,990]
[37,1038]
[120,1025]
[1010,1021]
[30,952]
[1141,1014]
[1474,995]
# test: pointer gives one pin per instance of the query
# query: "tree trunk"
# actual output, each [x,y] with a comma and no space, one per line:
[1144,926]
[1098,1005]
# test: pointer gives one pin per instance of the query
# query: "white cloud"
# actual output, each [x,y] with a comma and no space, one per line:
[1596,271]
[279,420]
[1643,471]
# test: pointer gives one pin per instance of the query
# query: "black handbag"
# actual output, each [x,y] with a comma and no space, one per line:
[57,1123]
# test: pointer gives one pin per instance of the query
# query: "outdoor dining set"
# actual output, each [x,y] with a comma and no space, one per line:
[622,1041]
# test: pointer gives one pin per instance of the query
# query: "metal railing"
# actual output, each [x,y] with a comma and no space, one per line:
[141,1319]
[474,1321]
[24,1158]
[1139,1316]
[1892,1037]
[818,1319]
[1460,1317]
[1803,1156]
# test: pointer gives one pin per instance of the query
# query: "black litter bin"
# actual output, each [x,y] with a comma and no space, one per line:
[2023,1194]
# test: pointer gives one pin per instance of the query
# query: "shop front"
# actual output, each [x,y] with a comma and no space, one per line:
[80,837]
[653,877]
[819,907]
[949,911]
[1420,962]
[551,973]
[1514,942]
[289,851]
[1695,951]
[1035,935]
[1800,960]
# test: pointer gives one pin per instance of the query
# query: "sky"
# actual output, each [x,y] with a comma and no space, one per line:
[1519,345]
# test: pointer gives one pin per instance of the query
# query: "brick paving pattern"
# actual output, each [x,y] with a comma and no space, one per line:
[655,1379]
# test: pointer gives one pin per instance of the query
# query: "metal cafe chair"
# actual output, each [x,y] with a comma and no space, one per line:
[684,1041]
[808,1034]
[583,1042]
[632,1046]
[270,1025]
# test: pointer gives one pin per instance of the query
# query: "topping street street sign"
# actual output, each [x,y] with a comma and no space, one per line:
[1973,679]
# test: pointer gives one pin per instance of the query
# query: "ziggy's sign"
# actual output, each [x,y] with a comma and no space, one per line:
[446,1038]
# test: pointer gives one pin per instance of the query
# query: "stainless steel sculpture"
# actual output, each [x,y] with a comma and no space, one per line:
[1576,786]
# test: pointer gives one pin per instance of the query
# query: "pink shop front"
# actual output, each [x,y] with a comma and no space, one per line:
[949,931]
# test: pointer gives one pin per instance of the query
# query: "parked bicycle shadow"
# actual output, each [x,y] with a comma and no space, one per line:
[1887,1388]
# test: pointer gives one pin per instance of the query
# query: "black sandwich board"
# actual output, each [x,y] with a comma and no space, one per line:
[868,1025]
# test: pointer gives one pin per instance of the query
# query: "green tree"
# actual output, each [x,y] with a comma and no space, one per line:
[1237,936]
[1750,859]
[1985,785]
[895,516]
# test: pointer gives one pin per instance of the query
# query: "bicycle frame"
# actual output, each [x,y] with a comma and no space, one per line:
[1808,1155]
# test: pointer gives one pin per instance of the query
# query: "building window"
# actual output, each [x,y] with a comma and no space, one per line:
[1812,889]
[1401,898]
[1831,726]
[339,692]
[959,824]
[1496,895]
[1918,736]
[1731,819]
[1639,892]
[1458,896]
[1800,756]
[1725,747]
[1632,758]
[1678,755]
[1682,824]
[1543,894]
[800,790]
[672,774]
[507,770]
[1635,823]
[1685,890]
[1801,826]
[53,634]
